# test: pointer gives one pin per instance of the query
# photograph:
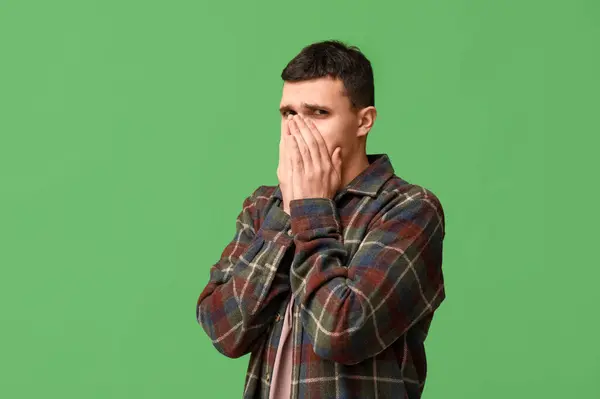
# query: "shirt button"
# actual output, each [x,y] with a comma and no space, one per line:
[267,377]
[277,317]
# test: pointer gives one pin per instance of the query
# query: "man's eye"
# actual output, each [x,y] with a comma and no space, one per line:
[322,111]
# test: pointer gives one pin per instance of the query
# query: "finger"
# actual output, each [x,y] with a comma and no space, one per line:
[287,135]
[290,118]
[301,143]
[286,124]
[294,152]
[285,131]
[320,141]
[283,161]
[338,161]
[282,145]
[309,138]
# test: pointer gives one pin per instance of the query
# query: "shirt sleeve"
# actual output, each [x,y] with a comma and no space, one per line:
[247,284]
[353,311]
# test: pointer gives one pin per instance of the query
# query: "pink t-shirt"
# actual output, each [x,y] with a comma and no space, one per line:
[281,383]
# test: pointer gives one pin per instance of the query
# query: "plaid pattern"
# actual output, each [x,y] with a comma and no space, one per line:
[365,270]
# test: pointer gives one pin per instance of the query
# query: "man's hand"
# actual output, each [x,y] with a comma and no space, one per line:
[284,169]
[315,174]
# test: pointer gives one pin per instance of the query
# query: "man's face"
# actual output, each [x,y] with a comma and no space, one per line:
[322,100]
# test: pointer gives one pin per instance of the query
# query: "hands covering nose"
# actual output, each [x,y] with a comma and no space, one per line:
[306,170]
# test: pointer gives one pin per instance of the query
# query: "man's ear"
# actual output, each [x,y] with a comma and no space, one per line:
[366,119]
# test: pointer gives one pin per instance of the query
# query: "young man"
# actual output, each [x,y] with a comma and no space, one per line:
[333,276]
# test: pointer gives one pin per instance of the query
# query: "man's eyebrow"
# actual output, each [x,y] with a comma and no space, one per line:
[308,106]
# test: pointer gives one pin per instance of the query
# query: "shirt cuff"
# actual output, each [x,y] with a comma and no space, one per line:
[277,227]
[315,216]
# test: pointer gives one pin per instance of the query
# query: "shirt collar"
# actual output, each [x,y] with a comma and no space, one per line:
[368,182]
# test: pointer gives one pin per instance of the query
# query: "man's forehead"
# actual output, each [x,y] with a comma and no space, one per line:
[326,92]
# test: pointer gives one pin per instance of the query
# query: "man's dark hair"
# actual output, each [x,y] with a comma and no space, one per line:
[335,59]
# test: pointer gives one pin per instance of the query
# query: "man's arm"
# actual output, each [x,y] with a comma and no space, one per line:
[352,312]
[246,285]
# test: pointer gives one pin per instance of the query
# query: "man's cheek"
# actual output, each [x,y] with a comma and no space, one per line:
[329,142]
[332,142]
[329,136]
[326,134]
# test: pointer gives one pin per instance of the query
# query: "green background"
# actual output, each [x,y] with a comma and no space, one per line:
[132,131]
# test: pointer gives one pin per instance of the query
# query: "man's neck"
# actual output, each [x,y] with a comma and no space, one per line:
[353,168]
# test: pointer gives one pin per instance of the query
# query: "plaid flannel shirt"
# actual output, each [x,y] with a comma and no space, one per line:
[365,270]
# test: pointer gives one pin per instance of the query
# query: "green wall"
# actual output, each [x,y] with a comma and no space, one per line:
[131,132]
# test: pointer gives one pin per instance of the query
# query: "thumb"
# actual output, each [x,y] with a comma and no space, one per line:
[337,156]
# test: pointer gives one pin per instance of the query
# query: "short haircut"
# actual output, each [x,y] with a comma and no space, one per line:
[335,59]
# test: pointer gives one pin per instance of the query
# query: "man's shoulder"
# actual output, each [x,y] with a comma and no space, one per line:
[402,193]
[402,199]
[260,199]
[262,194]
